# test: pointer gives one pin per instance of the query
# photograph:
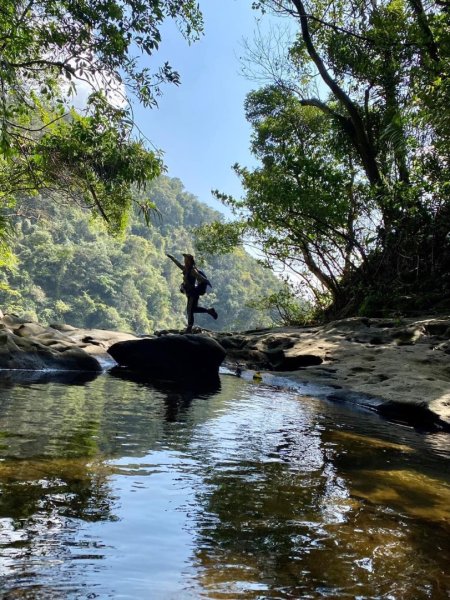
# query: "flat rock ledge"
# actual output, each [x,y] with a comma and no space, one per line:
[394,364]
[402,362]
[26,345]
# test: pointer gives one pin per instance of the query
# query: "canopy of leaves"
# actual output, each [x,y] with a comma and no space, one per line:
[352,191]
[48,49]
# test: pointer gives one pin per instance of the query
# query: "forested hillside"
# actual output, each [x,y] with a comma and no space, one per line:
[70,269]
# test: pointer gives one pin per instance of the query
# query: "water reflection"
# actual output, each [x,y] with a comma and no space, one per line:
[9,378]
[128,488]
[298,524]
[178,395]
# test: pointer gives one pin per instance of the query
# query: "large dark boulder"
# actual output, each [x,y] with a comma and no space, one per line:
[173,357]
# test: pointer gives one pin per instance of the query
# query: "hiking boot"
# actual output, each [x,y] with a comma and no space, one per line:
[213,313]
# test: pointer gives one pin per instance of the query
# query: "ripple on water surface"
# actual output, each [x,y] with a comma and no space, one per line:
[122,489]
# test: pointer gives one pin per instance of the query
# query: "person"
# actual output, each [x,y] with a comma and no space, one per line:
[193,280]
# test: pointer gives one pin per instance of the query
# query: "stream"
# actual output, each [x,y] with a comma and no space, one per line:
[117,488]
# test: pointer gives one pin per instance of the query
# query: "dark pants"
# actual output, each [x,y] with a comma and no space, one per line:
[193,307]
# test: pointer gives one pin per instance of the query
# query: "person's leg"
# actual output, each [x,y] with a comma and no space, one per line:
[190,309]
[200,309]
[211,311]
[193,307]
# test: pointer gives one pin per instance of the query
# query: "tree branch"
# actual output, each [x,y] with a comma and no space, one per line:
[97,202]
[361,140]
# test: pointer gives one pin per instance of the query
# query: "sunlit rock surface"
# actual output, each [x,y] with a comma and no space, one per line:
[403,361]
[30,346]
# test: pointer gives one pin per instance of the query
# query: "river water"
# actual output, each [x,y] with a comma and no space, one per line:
[112,488]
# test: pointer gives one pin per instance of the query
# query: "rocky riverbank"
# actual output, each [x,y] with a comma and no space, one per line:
[384,363]
[25,345]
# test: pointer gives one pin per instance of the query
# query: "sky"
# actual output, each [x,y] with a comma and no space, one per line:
[200,125]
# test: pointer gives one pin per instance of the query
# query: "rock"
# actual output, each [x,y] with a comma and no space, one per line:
[62,327]
[419,416]
[12,321]
[400,360]
[293,362]
[30,330]
[171,357]
[409,335]
[28,345]
[24,353]
[232,342]
[102,338]
[439,327]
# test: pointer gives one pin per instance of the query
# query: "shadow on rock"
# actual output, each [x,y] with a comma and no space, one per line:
[419,417]
[193,358]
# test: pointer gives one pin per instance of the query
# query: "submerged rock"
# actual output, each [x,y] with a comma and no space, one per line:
[173,357]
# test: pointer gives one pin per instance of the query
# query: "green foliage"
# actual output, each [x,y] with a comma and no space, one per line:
[219,237]
[68,271]
[353,187]
[51,47]
[288,308]
[303,203]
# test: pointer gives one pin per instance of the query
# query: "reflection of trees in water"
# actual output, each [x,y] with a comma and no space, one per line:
[265,483]
[300,527]
[280,507]
[258,521]
[55,444]
[76,489]
[55,438]
[42,505]
[108,416]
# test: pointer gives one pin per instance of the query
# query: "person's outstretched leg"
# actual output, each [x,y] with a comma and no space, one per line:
[193,307]
[213,313]
[210,311]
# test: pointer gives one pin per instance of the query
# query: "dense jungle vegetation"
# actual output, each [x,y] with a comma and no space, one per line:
[69,269]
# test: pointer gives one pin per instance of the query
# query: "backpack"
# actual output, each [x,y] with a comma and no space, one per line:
[202,287]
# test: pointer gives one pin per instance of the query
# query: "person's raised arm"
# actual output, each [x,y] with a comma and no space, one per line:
[172,258]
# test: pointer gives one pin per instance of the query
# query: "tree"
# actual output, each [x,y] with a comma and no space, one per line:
[353,181]
[49,48]
[303,201]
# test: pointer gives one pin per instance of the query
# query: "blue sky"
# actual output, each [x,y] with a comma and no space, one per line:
[200,125]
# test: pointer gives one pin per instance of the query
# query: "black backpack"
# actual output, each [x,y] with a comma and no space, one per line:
[202,287]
